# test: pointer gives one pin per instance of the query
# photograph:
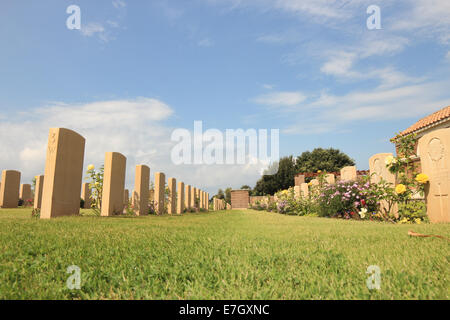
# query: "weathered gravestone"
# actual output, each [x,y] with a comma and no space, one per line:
[378,169]
[434,151]
[160,188]
[113,184]
[141,190]
[330,179]
[193,195]
[126,198]
[297,192]
[304,190]
[187,197]
[25,192]
[63,174]
[9,189]
[314,182]
[348,173]
[299,179]
[171,205]
[203,200]
[180,198]
[38,192]
[86,195]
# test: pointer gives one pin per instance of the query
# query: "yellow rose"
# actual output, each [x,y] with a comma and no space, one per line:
[285,192]
[422,178]
[388,160]
[418,221]
[91,167]
[319,171]
[400,188]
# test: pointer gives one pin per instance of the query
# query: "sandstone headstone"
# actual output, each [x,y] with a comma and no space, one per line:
[193,194]
[172,204]
[113,184]
[304,190]
[63,174]
[314,182]
[38,192]
[330,178]
[299,179]
[203,200]
[434,151]
[141,190]
[86,195]
[160,188]
[126,198]
[378,169]
[348,173]
[228,206]
[25,192]
[297,192]
[187,197]
[180,198]
[9,189]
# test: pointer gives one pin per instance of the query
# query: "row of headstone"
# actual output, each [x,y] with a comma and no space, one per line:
[58,190]
[11,190]
[115,197]
[220,204]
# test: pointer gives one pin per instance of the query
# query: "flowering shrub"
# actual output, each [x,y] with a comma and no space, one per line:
[412,212]
[287,203]
[96,186]
[347,199]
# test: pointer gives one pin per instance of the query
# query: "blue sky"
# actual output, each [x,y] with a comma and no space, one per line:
[139,69]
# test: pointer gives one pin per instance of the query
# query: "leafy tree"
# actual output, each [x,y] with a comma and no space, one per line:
[282,179]
[246,187]
[220,194]
[330,160]
[228,195]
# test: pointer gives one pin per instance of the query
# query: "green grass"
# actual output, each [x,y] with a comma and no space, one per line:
[218,255]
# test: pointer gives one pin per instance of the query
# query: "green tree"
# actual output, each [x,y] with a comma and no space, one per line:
[220,194]
[228,195]
[330,160]
[282,179]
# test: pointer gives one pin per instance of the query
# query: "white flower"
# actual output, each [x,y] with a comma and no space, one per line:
[362,213]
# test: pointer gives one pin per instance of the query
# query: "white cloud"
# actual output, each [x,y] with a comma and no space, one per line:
[205,43]
[119,4]
[95,29]
[280,99]
[267,86]
[336,112]
[92,28]
[340,65]
[425,18]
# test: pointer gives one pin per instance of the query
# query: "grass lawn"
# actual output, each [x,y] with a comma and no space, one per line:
[219,255]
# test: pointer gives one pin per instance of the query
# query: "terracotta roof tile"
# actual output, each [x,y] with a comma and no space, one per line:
[428,121]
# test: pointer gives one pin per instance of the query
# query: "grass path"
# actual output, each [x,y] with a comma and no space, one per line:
[219,255]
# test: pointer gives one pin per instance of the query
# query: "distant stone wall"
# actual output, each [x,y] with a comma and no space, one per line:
[240,199]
